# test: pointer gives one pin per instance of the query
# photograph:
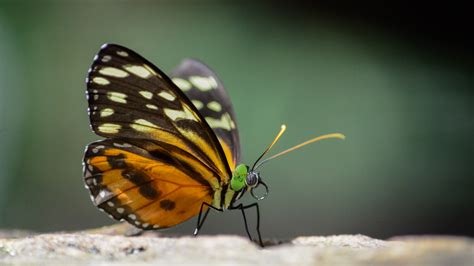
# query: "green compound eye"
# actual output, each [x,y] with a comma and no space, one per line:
[238,177]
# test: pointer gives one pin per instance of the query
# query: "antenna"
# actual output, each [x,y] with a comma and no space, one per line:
[283,128]
[327,136]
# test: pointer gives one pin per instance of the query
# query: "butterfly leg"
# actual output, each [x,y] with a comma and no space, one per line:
[242,209]
[200,221]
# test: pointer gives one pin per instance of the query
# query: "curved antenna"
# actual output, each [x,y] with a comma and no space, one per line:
[283,128]
[327,136]
[264,194]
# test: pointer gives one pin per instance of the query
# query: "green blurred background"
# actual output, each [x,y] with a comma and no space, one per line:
[398,83]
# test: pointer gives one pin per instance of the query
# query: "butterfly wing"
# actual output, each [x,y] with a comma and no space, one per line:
[207,93]
[148,185]
[161,159]
[130,97]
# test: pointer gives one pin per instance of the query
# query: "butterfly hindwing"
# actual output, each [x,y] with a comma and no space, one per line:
[148,185]
[129,97]
[207,93]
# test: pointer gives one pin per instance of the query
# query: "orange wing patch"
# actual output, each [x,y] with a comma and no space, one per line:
[178,206]
[147,190]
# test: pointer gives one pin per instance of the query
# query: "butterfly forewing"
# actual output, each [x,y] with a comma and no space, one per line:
[207,93]
[161,160]
[130,97]
[144,183]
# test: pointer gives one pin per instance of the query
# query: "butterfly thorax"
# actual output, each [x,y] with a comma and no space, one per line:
[234,190]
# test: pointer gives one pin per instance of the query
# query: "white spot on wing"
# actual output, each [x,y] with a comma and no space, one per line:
[141,71]
[184,85]
[106,112]
[117,97]
[143,125]
[146,94]
[198,104]
[124,145]
[152,106]
[100,81]
[97,148]
[113,72]
[122,53]
[132,216]
[225,122]
[214,106]
[166,95]
[109,128]
[106,58]
[120,210]
[203,83]
[177,114]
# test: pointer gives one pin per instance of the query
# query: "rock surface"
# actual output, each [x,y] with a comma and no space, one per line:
[108,248]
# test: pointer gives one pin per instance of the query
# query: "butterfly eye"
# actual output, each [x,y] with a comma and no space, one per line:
[252,179]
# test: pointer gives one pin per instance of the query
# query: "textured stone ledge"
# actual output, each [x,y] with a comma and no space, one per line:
[109,249]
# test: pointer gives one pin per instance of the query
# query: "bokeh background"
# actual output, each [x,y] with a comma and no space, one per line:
[397,80]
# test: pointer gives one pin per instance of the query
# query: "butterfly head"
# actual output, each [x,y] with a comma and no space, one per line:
[243,178]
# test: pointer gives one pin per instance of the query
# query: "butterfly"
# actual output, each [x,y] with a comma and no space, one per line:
[171,149]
